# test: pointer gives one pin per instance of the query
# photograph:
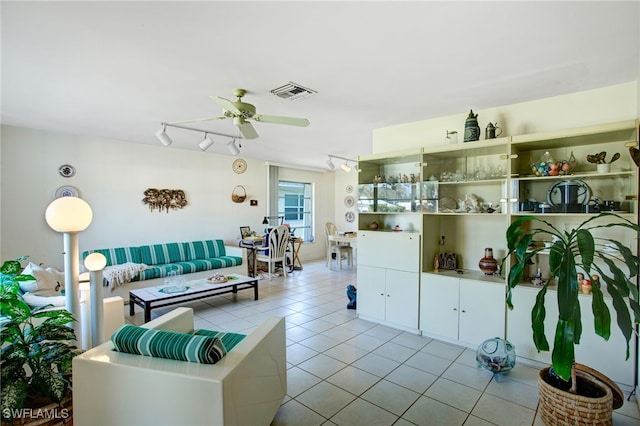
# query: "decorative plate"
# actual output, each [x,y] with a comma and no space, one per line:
[67,170]
[349,217]
[349,201]
[349,189]
[67,191]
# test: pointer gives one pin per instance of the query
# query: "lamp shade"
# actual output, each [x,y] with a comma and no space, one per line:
[346,167]
[233,148]
[95,262]
[69,214]
[206,143]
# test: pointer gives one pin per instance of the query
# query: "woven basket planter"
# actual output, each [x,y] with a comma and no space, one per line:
[562,408]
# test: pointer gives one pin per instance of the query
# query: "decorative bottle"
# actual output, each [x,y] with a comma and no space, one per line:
[488,264]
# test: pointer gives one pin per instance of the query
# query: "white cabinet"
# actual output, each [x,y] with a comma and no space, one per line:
[608,357]
[467,311]
[388,278]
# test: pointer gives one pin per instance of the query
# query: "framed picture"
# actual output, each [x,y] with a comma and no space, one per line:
[245,231]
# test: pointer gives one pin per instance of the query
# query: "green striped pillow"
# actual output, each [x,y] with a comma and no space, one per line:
[168,344]
[229,340]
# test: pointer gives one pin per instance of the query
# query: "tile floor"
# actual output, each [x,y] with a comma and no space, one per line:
[346,371]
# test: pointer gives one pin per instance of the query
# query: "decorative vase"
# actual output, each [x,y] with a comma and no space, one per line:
[496,355]
[471,128]
[488,264]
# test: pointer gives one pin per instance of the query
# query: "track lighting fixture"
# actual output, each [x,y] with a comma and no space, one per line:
[330,164]
[344,166]
[206,142]
[163,137]
[232,147]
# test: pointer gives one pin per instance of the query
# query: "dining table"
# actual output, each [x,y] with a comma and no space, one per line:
[350,239]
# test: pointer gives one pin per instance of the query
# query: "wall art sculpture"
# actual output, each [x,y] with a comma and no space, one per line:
[164,199]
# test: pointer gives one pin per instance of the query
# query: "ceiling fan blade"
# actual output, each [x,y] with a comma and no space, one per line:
[247,130]
[291,121]
[198,119]
[227,105]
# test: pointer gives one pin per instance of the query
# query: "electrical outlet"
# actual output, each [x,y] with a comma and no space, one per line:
[253,202]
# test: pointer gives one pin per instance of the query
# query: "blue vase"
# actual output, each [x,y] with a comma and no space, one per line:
[471,128]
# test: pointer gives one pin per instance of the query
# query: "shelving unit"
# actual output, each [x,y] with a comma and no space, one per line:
[462,199]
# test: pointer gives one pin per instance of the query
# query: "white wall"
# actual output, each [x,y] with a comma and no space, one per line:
[112,175]
[608,104]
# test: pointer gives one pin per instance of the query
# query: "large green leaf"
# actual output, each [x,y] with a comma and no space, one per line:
[563,355]
[586,247]
[601,314]
[538,314]
[567,287]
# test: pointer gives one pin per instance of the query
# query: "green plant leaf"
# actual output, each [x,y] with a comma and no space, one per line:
[601,314]
[623,318]
[563,355]
[567,286]
[538,314]
[586,247]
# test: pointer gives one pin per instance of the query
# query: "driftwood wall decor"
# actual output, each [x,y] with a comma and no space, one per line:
[164,199]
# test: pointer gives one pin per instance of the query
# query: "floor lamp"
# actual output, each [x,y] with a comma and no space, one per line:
[70,215]
[95,263]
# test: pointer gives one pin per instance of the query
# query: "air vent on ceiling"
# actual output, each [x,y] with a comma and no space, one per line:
[293,91]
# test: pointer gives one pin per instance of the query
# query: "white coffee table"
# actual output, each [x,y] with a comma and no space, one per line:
[159,296]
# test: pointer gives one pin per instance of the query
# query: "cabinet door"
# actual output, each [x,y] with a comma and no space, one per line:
[402,298]
[393,250]
[371,292]
[439,305]
[482,311]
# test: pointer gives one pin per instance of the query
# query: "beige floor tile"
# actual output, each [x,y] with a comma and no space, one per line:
[361,412]
[325,399]
[427,411]
[391,397]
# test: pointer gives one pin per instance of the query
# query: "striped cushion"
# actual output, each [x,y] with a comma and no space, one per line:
[204,249]
[229,340]
[168,344]
[158,254]
[117,256]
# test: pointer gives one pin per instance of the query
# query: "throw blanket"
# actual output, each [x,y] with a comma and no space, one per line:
[118,275]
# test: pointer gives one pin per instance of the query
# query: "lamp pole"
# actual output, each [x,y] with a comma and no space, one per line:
[70,216]
[95,263]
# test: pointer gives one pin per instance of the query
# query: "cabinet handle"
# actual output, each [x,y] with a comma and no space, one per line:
[388,295]
[463,311]
[455,309]
[381,294]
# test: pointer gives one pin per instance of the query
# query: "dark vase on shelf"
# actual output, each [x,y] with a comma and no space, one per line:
[471,128]
[488,264]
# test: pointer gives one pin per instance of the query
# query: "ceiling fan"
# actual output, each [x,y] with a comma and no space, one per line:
[241,112]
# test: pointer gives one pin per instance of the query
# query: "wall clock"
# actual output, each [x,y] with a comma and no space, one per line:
[239,166]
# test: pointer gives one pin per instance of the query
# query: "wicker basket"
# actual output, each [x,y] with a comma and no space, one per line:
[558,407]
[239,194]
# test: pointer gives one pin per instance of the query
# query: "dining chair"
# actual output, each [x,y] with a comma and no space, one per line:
[275,249]
[334,247]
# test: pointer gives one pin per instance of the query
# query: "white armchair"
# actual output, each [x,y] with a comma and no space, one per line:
[246,387]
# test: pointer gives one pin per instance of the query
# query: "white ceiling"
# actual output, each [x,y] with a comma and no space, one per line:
[118,69]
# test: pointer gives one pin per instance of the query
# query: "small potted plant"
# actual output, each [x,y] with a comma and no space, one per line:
[571,251]
[36,354]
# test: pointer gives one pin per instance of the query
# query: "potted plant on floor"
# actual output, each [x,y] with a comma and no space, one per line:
[572,252]
[36,354]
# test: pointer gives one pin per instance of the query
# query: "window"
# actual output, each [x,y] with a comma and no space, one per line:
[295,204]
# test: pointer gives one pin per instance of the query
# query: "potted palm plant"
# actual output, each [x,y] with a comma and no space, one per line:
[577,251]
[36,354]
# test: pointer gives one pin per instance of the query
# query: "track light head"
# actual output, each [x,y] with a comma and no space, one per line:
[163,137]
[330,164]
[206,142]
[346,167]
[232,147]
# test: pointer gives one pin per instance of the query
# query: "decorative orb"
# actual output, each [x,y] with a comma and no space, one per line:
[496,355]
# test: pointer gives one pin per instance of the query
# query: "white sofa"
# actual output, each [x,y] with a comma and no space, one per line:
[245,388]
